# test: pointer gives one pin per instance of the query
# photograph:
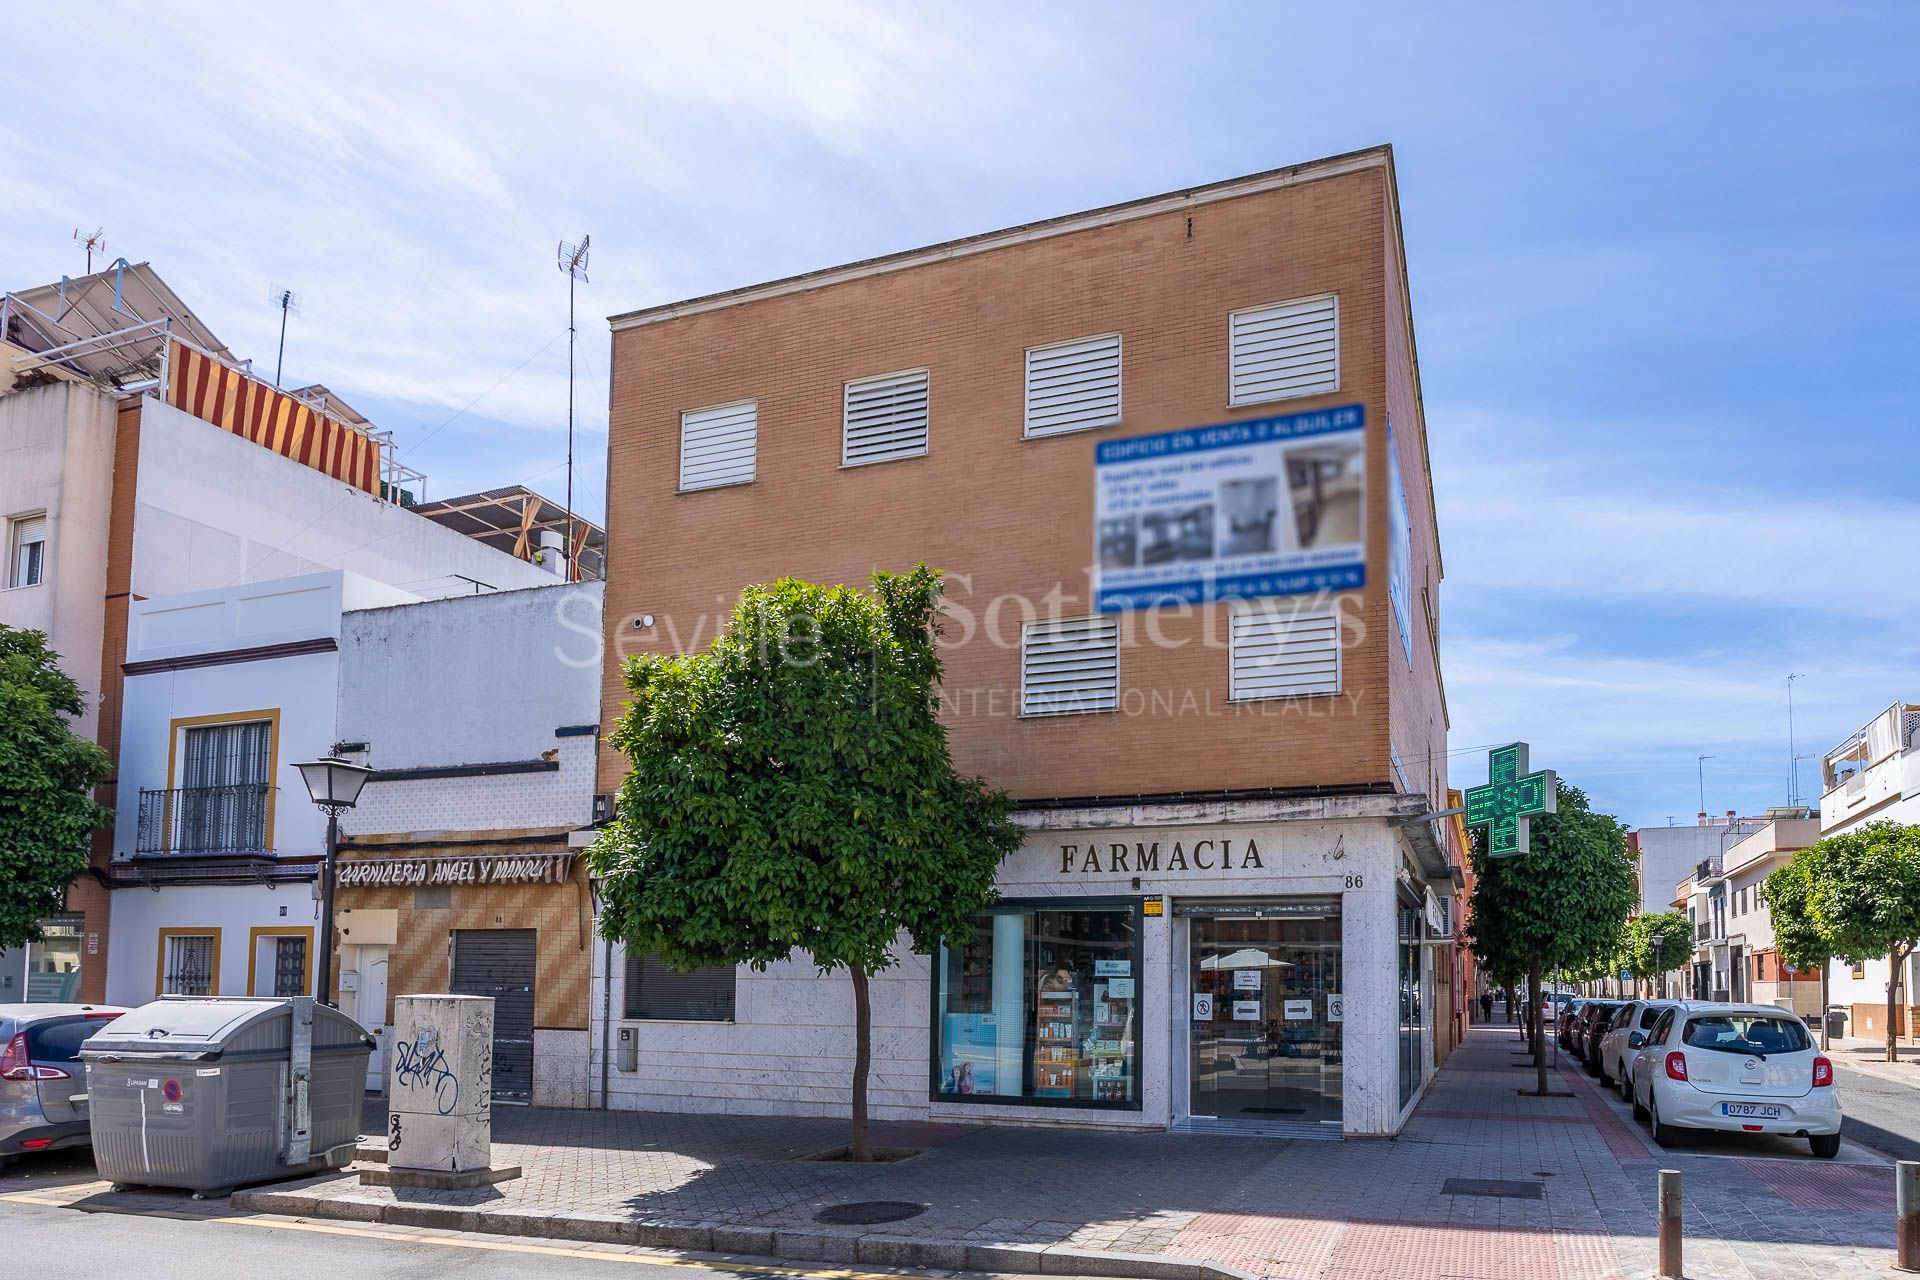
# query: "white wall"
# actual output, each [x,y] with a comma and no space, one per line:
[234,910]
[790,1049]
[473,679]
[56,456]
[215,509]
[302,689]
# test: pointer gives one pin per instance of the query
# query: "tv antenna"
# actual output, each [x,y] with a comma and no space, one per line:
[98,240]
[1793,750]
[1700,763]
[573,261]
[289,303]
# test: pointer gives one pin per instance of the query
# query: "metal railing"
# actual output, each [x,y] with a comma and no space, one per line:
[187,820]
[1708,869]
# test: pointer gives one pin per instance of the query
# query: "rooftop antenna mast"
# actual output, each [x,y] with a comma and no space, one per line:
[289,303]
[98,240]
[573,261]
[1793,750]
[1700,763]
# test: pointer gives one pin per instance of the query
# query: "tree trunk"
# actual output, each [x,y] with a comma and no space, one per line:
[858,1148]
[1539,1030]
[1826,1034]
[1895,958]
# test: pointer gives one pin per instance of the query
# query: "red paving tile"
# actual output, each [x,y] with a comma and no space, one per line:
[1264,1245]
[1622,1141]
[1441,1251]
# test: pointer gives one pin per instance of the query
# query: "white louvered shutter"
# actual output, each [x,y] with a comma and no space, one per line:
[1284,350]
[1073,385]
[1070,666]
[717,444]
[886,418]
[1284,655]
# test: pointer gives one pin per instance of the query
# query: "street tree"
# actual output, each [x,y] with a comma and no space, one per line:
[1647,959]
[1855,897]
[1560,905]
[47,776]
[792,792]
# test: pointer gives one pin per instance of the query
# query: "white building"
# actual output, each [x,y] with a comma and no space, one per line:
[1874,776]
[459,871]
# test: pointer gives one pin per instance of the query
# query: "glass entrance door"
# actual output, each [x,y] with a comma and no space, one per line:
[1266,1017]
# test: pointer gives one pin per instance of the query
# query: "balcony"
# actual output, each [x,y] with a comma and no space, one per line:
[199,820]
[1707,869]
[1702,932]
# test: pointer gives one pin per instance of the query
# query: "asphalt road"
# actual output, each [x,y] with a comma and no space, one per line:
[48,1242]
[1879,1113]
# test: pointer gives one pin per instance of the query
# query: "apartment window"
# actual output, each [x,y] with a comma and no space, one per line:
[1285,349]
[885,418]
[26,550]
[654,989]
[1284,654]
[223,798]
[717,444]
[189,962]
[1070,666]
[1072,386]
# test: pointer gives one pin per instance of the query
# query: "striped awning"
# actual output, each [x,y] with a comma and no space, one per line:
[218,393]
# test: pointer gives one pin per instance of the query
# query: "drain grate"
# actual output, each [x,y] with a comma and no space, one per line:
[867,1213]
[1496,1188]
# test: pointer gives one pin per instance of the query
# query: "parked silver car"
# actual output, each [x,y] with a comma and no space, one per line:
[42,1080]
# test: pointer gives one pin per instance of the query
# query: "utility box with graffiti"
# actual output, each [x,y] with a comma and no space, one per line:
[440,1086]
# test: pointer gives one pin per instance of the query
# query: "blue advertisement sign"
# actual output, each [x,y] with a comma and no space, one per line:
[1241,510]
[972,1043]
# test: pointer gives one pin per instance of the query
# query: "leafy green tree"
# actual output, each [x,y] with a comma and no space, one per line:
[792,791]
[1855,896]
[1646,961]
[47,777]
[1562,904]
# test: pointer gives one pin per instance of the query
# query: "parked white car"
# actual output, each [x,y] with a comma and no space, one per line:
[1738,1068]
[1617,1051]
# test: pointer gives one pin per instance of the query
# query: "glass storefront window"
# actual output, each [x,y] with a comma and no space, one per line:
[53,963]
[1411,1013]
[1041,1005]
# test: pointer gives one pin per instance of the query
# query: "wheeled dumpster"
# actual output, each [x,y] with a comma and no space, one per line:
[208,1094]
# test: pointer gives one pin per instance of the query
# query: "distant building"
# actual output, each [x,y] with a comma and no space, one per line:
[1874,776]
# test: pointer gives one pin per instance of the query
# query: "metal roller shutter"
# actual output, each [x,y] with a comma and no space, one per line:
[886,418]
[1070,666]
[1073,385]
[500,963]
[1283,350]
[718,445]
[1284,655]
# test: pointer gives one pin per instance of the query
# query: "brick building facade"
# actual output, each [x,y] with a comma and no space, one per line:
[1172,457]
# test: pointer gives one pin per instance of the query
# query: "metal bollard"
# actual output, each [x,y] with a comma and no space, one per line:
[1670,1265]
[1906,1202]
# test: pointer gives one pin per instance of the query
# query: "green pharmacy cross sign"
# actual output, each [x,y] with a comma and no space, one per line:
[1511,796]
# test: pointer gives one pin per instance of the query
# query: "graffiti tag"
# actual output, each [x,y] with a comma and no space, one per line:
[422,1064]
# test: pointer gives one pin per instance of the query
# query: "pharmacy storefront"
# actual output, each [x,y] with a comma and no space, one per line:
[1258,967]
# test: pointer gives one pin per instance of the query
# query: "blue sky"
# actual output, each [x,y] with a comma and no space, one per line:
[1664,267]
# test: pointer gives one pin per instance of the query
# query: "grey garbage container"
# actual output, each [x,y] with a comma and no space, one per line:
[208,1094]
[1836,1022]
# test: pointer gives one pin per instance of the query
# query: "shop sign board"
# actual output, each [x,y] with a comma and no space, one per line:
[484,869]
[1234,511]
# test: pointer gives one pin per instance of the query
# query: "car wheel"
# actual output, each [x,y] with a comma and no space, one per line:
[1825,1145]
[1633,1096]
[1664,1135]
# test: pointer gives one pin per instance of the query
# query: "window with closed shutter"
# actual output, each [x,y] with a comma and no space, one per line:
[1284,655]
[27,551]
[1070,666]
[1283,350]
[886,418]
[717,444]
[654,989]
[1073,385]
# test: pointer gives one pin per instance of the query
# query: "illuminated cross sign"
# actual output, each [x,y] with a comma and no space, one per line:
[1511,795]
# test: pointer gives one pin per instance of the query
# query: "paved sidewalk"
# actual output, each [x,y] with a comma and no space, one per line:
[1179,1206]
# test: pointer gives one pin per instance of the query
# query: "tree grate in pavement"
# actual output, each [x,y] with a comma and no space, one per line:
[867,1213]
[1497,1188]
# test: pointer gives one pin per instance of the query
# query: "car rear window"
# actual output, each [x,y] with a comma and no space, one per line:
[60,1040]
[1747,1033]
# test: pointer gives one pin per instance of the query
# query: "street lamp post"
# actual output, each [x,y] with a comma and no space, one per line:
[1659,943]
[334,785]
